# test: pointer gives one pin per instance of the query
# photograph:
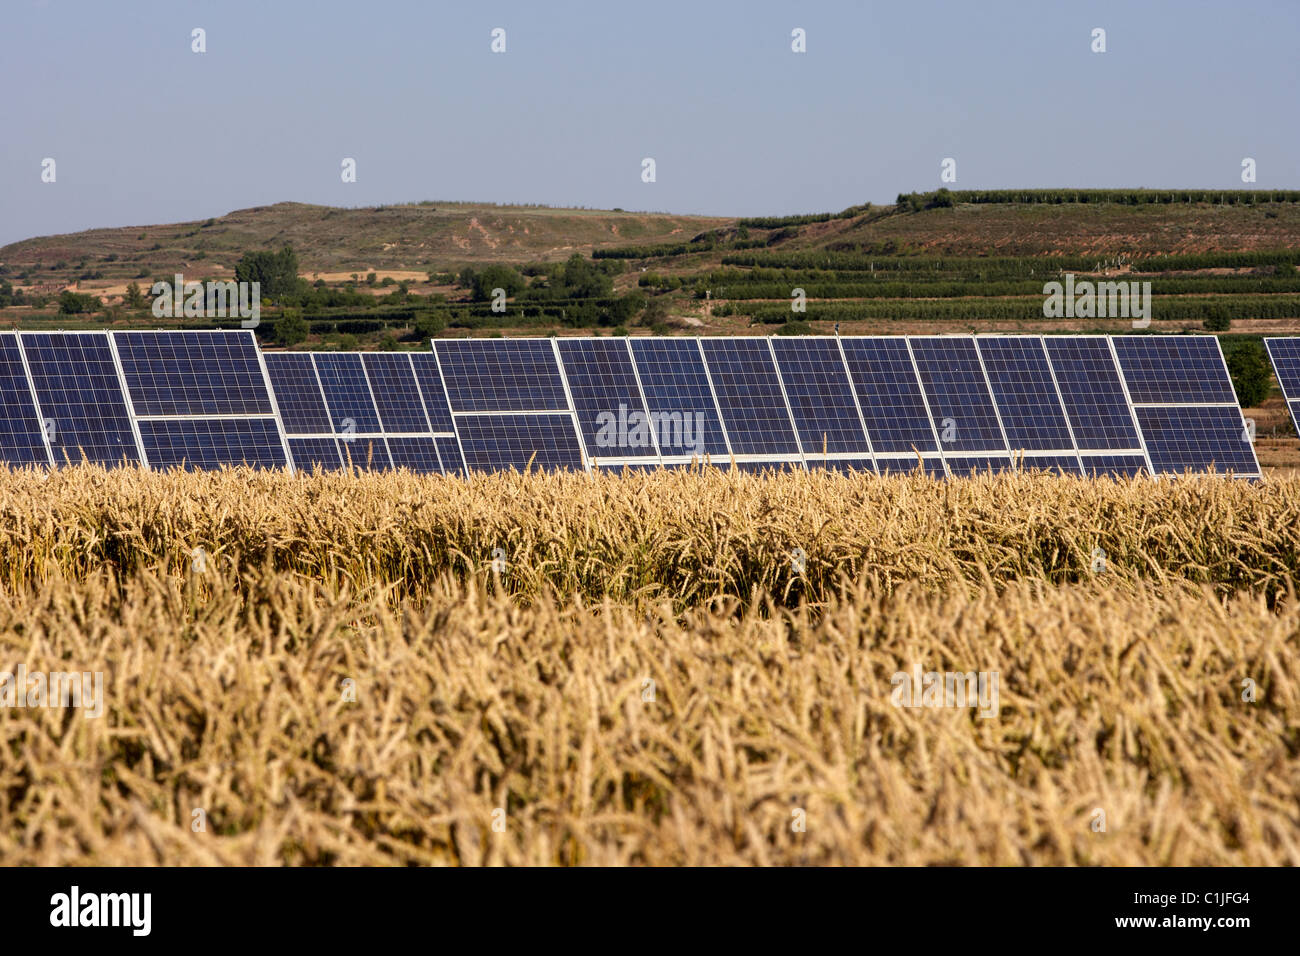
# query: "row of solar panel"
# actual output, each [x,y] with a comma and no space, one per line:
[1081,404]
[1285,355]
[950,404]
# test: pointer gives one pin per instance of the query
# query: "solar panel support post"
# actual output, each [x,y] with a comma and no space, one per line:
[794,427]
[1132,409]
[126,395]
[36,404]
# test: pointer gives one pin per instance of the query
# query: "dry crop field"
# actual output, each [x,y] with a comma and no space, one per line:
[671,668]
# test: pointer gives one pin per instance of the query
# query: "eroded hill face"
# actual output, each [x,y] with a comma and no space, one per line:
[390,238]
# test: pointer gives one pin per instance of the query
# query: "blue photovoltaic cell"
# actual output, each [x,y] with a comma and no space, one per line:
[1173,369]
[1058,463]
[677,390]
[1119,466]
[964,466]
[639,466]
[500,375]
[435,398]
[906,466]
[955,386]
[419,455]
[821,397]
[21,441]
[749,394]
[310,453]
[1285,355]
[207,443]
[449,453]
[849,466]
[365,452]
[889,394]
[497,442]
[192,373]
[1026,396]
[297,393]
[79,393]
[346,394]
[761,467]
[397,398]
[611,414]
[1197,438]
[1093,393]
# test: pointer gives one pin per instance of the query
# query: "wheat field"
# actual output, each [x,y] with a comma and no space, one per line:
[674,668]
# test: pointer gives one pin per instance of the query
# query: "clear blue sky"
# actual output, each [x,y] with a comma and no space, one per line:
[144,131]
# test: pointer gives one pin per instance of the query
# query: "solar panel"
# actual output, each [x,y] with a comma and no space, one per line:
[1117,466]
[958,394]
[347,393]
[889,395]
[365,452]
[1025,392]
[498,442]
[1175,370]
[22,440]
[435,396]
[763,467]
[79,396]
[1066,464]
[1197,437]
[1093,394]
[419,455]
[1285,356]
[676,389]
[619,467]
[821,396]
[905,466]
[749,393]
[848,466]
[192,373]
[449,455]
[967,465]
[298,393]
[397,397]
[311,453]
[207,443]
[498,375]
[606,398]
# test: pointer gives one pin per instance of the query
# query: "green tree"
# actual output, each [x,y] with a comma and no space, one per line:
[497,277]
[134,298]
[75,303]
[276,271]
[1252,378]
[290,328]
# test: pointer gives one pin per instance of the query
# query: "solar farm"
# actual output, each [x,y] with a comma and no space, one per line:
[952,406]
[926,600]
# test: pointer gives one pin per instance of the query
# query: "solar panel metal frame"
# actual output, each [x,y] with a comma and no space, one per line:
[22,337]
[1062,452]
[754,457]
[1182,405]
[593,460]
[273,414]
[1291,393]
[817,457]
[458,415]
[31,395]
